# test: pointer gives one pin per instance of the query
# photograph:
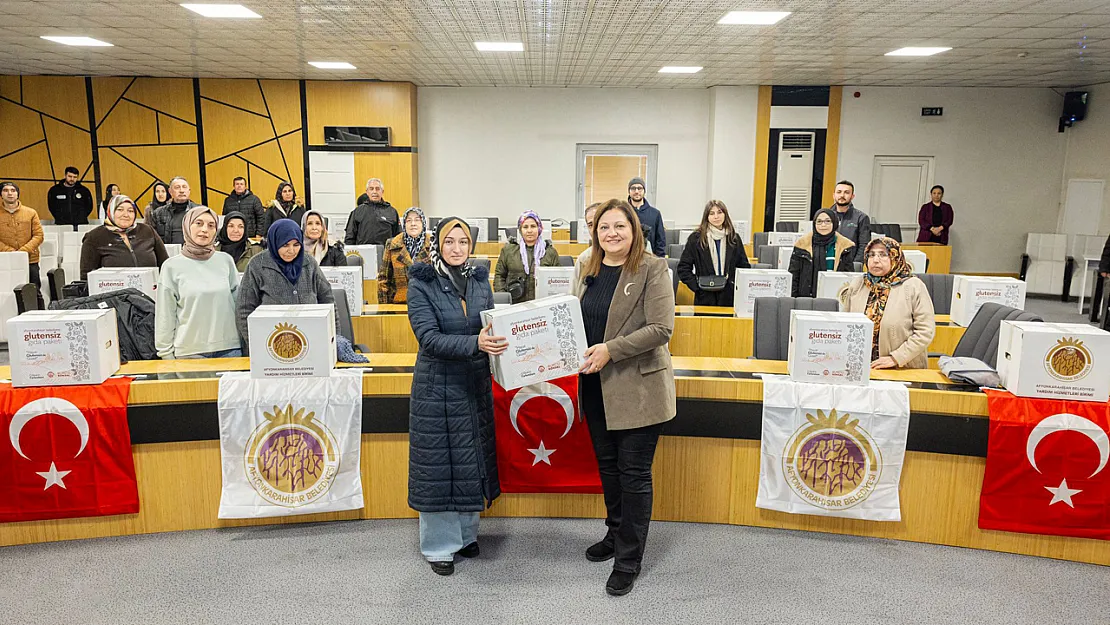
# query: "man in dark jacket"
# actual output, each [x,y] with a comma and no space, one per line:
[69,201]
[243,201]
[649,216]
[854,223]
[166,220]
[374,222]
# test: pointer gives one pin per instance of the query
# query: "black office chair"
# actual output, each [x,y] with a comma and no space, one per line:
[771,323]
[761,266]
[346,325]
[27,298]
[786,226]
[501,297]
[566,261]
[509,233]
[55,280]
[980,340]
[675,250]
[672,236]
[940,287]
[672,263]
[769,254]
[759,239]
[480,262]
[354,260]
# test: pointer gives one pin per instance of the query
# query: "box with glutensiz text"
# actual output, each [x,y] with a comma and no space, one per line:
[830,347]
[547,340]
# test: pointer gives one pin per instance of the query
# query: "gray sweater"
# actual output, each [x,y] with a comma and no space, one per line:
[856,225]
[264,284]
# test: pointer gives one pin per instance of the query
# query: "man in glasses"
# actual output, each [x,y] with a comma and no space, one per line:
[650,217]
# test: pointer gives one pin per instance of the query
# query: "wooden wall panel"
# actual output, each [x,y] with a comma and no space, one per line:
[394,168]
[356,103]
[62,97]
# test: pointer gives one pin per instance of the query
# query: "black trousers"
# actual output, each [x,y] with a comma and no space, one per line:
[624,460]
[33,273]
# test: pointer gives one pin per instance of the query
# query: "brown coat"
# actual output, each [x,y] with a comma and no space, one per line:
[21,231]
[393,270]
[908,323]
[638,382]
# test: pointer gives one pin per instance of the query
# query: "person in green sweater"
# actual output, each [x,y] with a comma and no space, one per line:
[194,315]
[516,267]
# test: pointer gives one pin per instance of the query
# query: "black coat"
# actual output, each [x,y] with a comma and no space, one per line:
[801,264]
[1104,264]
[334,257]
[69,205]
[372,223]
[134,320]
[251,208]
[452,455]
[697,261]
[273,214]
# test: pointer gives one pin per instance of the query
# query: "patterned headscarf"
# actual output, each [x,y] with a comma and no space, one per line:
[879,286]
[110,217]
[456,275]
[414,244]
[192,249]
[540,247]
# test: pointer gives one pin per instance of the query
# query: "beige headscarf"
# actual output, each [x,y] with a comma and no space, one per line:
[192,249]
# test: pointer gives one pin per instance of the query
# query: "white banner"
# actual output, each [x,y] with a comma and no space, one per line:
[290,445]
[833,450]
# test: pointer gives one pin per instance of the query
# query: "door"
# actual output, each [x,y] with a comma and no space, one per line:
[332,176]
[1082,207]
[900,185]
[604,170]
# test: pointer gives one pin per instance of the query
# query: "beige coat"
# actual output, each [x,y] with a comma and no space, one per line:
[908,323]
[638,382]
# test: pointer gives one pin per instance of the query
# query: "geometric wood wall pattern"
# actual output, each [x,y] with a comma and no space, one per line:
[252,128]
[44,127]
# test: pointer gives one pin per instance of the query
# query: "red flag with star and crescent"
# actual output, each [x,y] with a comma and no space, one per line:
[543,443]
[1048,467]
[65,451]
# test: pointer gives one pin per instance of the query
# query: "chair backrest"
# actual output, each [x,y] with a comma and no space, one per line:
[674,250]
[501,297]
[759,239]
[786,226]
[877,228]
[354,260]
[672,263]
[771,323]
[55,280]
[761,266]
[574,230]
[769,254]
[857,266]
[672,236]
[894,231]
[26,297]
[980,340]
[940,290]
[566,261]
[480,262]
[343,314]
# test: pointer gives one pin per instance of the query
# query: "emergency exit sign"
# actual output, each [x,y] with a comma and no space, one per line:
[932,111]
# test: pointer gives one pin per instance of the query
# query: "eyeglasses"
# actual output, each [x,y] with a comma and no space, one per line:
[878,255]
[635,188]
[824,222]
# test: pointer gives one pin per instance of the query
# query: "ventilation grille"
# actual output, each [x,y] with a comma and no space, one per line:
[797,141]
[793,204]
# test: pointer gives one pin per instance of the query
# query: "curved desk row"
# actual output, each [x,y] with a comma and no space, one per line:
[706,468]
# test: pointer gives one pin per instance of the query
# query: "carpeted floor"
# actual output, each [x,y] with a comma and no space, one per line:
[533,571]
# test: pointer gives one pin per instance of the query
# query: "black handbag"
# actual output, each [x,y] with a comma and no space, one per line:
[712,284]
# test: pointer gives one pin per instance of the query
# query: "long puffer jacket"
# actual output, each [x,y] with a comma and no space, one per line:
[452,455]
[134,320]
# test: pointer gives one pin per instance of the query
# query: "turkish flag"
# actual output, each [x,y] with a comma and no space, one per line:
[65,451]
[1047,467]
[543,444]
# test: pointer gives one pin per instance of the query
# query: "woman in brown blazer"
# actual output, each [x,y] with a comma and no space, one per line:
[897,302]
[626,386]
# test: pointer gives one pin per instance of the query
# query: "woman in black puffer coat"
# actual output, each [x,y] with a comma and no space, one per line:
[452,457]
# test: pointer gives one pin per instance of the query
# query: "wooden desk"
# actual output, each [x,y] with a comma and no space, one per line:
[706,467]
[940,256]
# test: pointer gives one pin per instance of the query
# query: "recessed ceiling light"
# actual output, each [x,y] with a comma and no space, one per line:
[911,51]
[762,18]
[79,41]
[332,65]
[679,69]
[222,10]
[499,46]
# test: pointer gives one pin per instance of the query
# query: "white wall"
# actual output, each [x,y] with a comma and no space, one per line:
[732,126]
[1088,152]
[498,151]
[997,154]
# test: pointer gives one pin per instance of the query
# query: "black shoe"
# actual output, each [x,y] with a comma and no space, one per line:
[443,568]
[620,583]
[600,552]
[470,551]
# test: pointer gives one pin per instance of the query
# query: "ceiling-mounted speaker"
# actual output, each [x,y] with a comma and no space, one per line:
[1075,109]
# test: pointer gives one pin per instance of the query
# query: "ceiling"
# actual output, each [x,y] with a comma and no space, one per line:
[601,43]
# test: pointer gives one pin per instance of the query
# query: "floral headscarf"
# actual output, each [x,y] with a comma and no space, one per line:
[879,286]
[416,243]
[541,246]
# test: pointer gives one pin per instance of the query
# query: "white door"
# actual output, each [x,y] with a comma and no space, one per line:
[332,175]
[1082,207]
[900,185]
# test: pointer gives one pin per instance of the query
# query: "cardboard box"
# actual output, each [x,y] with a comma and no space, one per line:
[916,259]
[350,280]
[829,283]
[482,224]
[110,279]
[1054,360]
[63,347]
[173,249]
[787,239]
[743,228]
[830,348]
[371,256]
[753,283]
[292,341]
[969,293]
[546,341]
[784,257]
[553,281]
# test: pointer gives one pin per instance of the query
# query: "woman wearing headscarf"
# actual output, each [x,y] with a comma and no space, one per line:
[121,241]
[110,191]
[194,314]
[282,276]
[823,249]
[516,266]
[897,302]
[711,257]
[400,253]
[327,253]
[233,240]
[286,205]
[159,196]
[452,459]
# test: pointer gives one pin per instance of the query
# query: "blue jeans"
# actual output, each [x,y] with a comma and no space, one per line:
[442,534]
[227,353]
